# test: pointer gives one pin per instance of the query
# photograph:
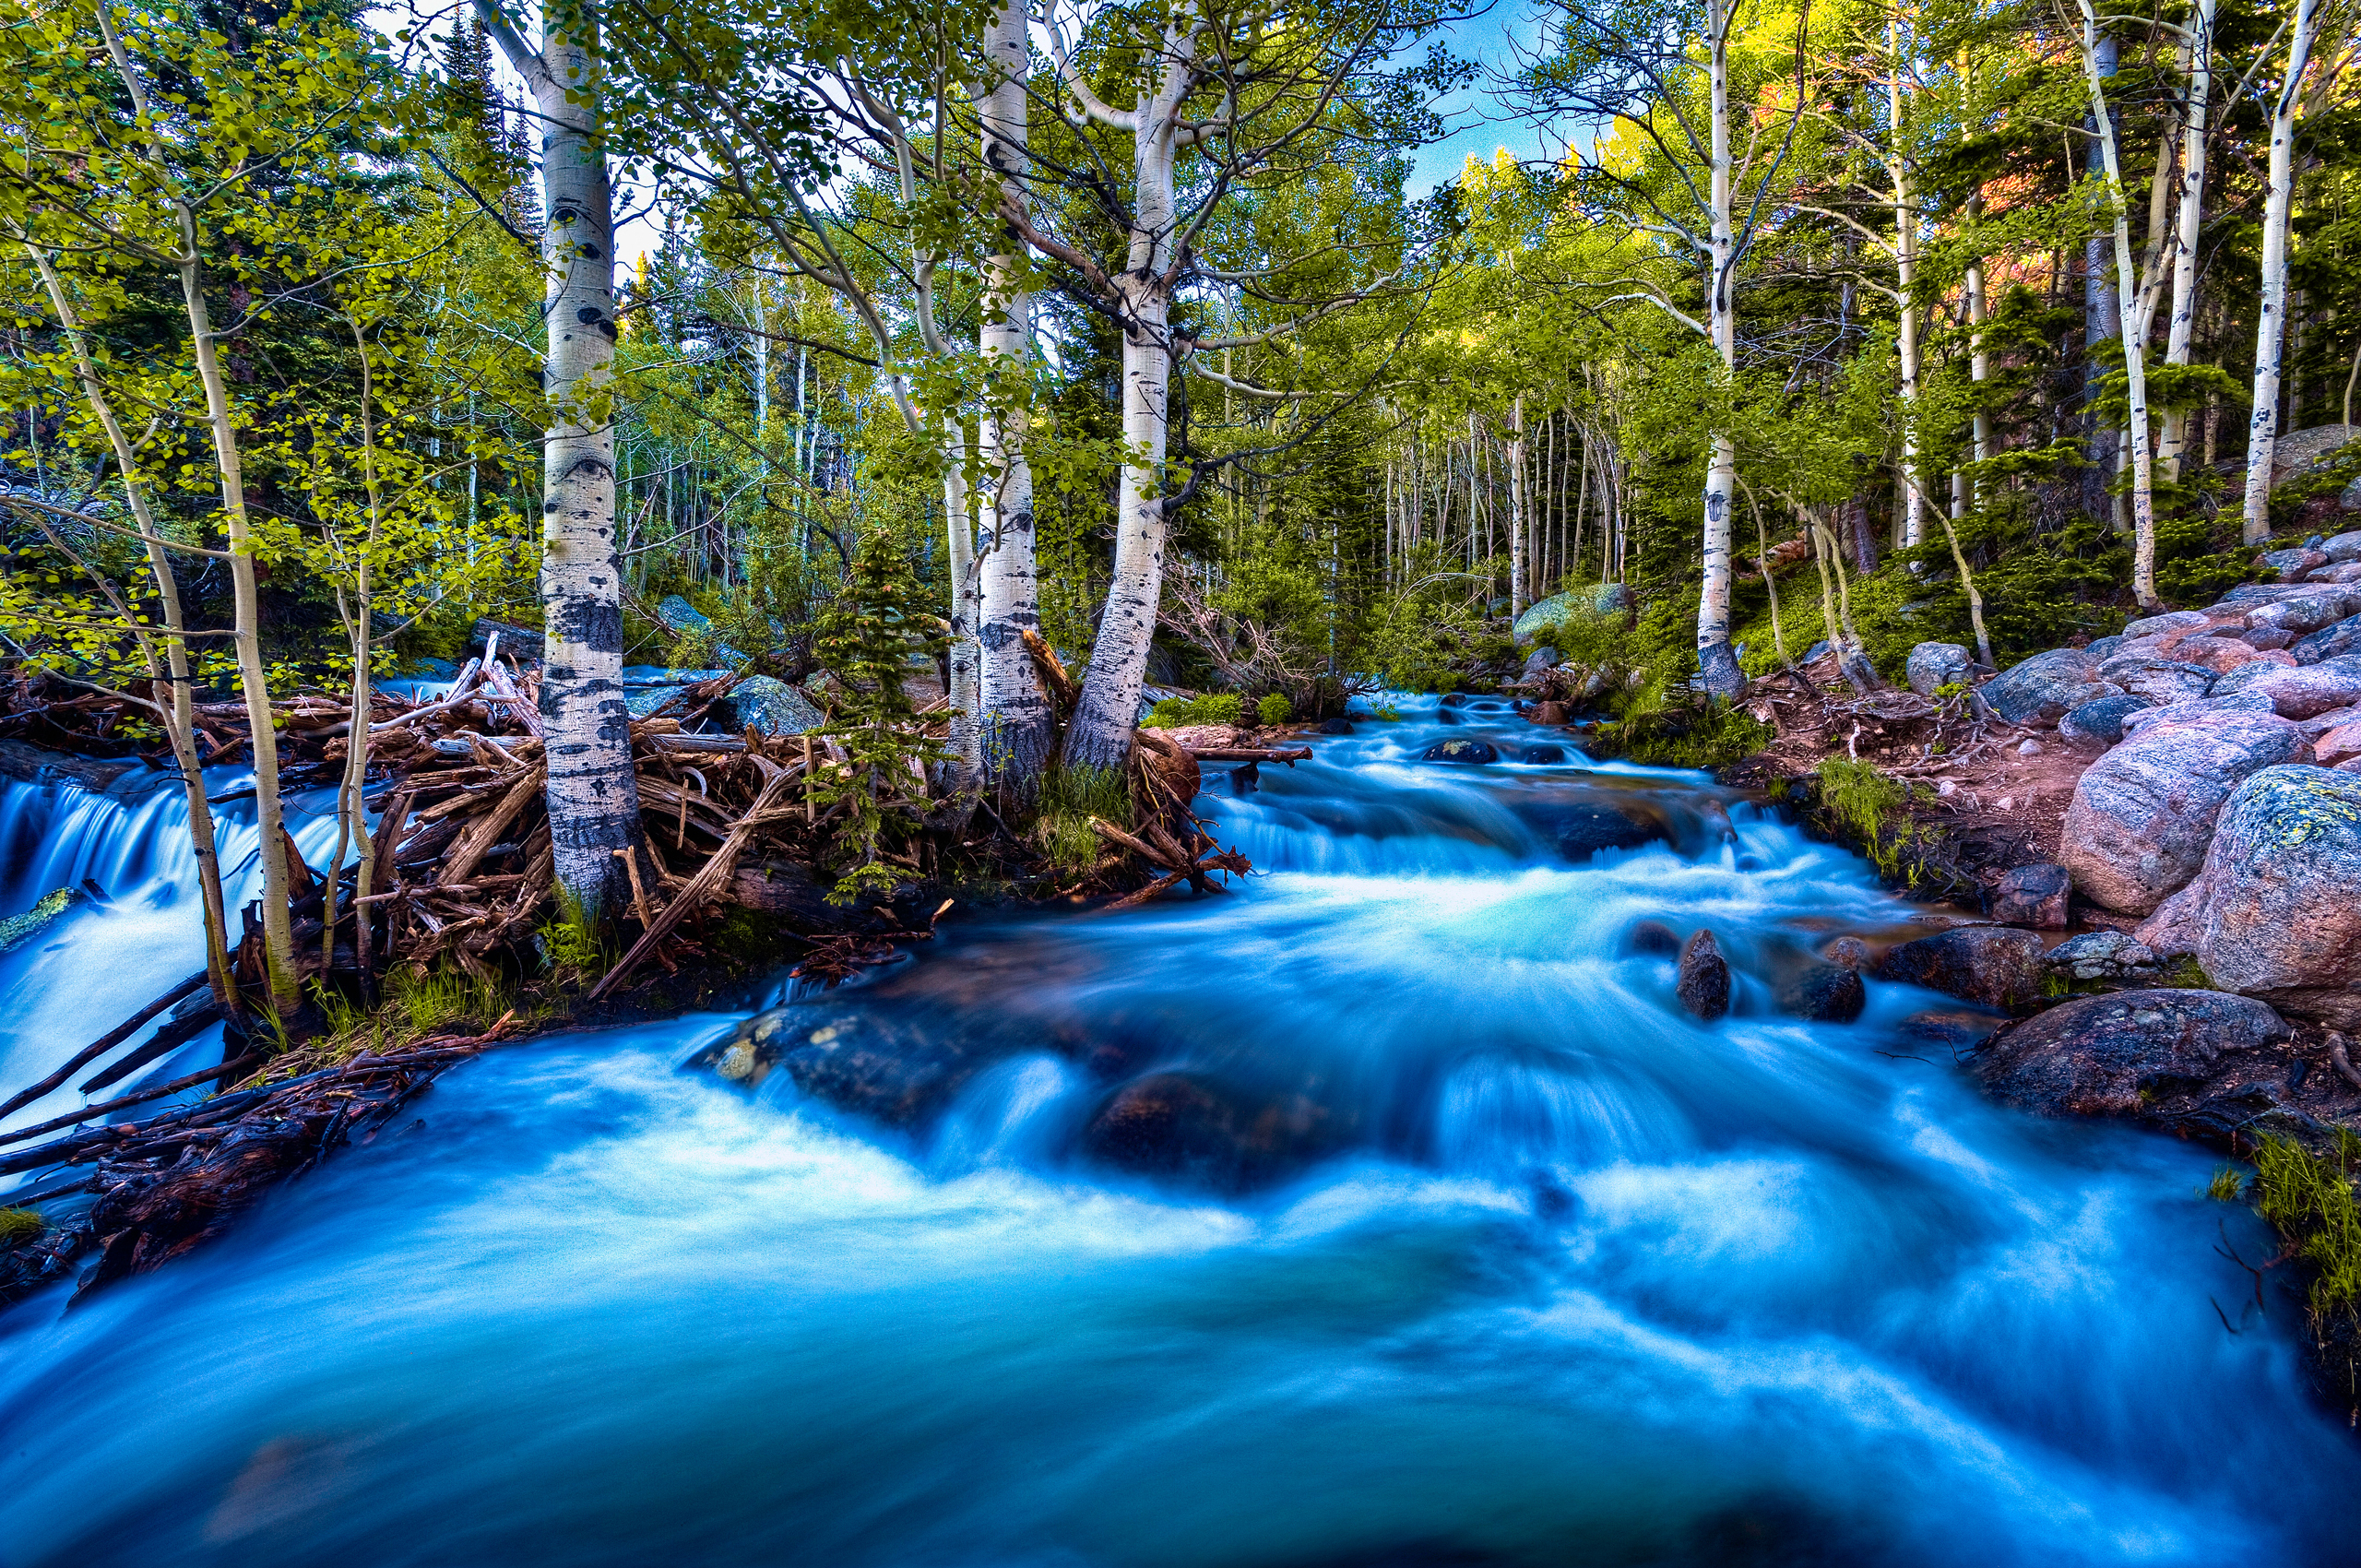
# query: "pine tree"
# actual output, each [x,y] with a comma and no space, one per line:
[878,627]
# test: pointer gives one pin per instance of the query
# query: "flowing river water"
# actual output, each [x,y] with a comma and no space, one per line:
[1549,1274]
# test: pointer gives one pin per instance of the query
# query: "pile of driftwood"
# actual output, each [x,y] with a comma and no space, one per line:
[167,1183]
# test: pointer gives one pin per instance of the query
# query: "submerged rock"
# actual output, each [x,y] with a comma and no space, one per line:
[1583,830]
[1198,1128]
[1997,966]
[1704,984]
[2108,1055]
[1653,938]
[1830,994]
[1469,752]
[1542,755]
[18,930]
[2142,814]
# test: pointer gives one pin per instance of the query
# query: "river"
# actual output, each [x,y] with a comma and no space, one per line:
[1557,1276]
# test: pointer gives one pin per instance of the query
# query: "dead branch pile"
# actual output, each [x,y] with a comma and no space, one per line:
[167,1185]
[1170,836]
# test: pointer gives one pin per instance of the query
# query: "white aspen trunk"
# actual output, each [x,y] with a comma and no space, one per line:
[175,703]
[2130,327]
[593,793]
[967,594]
[1716,666]
[2262,430]
[1905,273]
[1108,710]
[2102,315]
[2182,326]
[282,985]
[1017,726]
[1516,508]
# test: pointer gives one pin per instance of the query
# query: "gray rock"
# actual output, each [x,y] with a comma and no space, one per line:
[1817,652]
[2033,895]
[2041,688]
[1604,598]
[2310,610]
[681,617]
[2159,680]
[2319,724]
[771,708]
[1539,659]
[2291,564]
[2100,722]
[2143,813]
[2171,620]
[2029,747]
[2276,911]
[1996,966]
[2102,1055]
[2303,691]
[18,930]
[2104,650]
[1704,984]
[1932,665]
[2101,956]
[2266,639]
[2203,709]
[2345,547]
[1825,994]
[1460,751]
[2329,642]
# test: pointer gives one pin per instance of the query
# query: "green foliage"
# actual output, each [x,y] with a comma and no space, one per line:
[869,639]
[2228,1185]
[19,1225]
[1873,808]
[1069,797]
[1275,709]
[1219,707]
[573,943]
[1701,734]
[2307,1198]
[450,995]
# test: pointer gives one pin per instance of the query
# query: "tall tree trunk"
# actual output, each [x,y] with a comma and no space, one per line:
[1905,275]
[593,793]
[175,703]
[2263,429]
[1716,665]
[966,739]
[2102,319]
[1517,524]
[277,924]
[2130,327]
[2182,328]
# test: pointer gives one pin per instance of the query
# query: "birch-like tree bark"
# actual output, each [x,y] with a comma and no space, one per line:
[1519,589]
[2271,327]
[1017,726]
[282,985]
[593,793]
[1716,665]
[1905,274]
[2181,329]
[2131,325]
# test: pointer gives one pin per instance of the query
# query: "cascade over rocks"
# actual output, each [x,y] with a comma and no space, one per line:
[1996,966]
[2105,1056]
[2143,813]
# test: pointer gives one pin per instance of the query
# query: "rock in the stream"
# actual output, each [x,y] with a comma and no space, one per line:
[1200,1129]
[1934,665]
[1461,751]
[1542,755]
[1704,984]
[2101,956]
[1846,951]
[1830,994]
[18,930]
[2044,686]
[2276,911]
[2033,895]
[854,1058]
[1653,938]
[2099,1056]
[2303,691]
[1996,966]
[2100,723]
[2143,813]
[1336,726]
[1583,831]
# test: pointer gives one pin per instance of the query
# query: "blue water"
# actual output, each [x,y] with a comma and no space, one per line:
[1573,1280]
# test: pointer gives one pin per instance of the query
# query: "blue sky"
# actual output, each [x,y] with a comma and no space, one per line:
[1480,125]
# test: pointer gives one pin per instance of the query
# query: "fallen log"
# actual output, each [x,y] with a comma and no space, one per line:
[1288,754]
[705,882]
[252,1058]
[105,1043]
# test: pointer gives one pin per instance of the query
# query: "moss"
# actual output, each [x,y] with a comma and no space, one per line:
[1172,713]
[2186,974]
[2307,1198]
[19,1225]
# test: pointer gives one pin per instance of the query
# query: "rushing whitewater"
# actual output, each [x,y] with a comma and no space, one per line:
[1566,1279]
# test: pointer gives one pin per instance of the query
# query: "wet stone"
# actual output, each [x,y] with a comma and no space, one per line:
[1468,752]
[1704,984]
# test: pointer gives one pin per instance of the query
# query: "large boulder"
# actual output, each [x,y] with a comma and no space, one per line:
[2310,608]
[1997,966]
[2302,691]
[2276,911]
[2042,687]
[2170,621]
[682,618]
[2100,723]
[2199,710]
[1826,993]
[1602,599]
[2329,642]
[2158,680]
[2292,566]
[2338,747]
[1474,751]
[770,707]
[2104,1055]
[1201,1129]
[2345,547]
[1583,829]
[1537,661]
[1935,665]
[2142,814]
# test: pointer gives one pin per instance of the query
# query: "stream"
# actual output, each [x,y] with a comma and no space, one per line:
[1546,1272]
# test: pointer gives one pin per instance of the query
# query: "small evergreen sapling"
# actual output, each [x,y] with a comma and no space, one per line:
[869,639]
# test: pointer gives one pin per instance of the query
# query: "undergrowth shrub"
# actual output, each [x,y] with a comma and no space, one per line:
[1221,708]
[1874,809]
[2307,1198]
[1069,797]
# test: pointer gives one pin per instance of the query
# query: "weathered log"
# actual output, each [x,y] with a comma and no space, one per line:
[1053,674]
[705,883]
[1288,754]
[1153,856]
[252,1058]
[105,1043]
[174,1034]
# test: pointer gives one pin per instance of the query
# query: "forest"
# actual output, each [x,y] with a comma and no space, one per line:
[1118,613]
